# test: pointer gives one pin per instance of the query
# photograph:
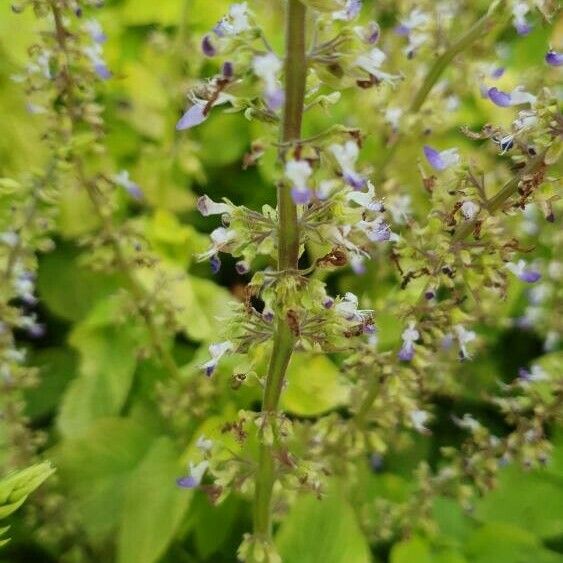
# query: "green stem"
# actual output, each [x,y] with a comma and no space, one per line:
[505,193]
[288,254]
[136,289]
[473,33]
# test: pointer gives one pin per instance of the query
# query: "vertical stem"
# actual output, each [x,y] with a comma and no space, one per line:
[288,253]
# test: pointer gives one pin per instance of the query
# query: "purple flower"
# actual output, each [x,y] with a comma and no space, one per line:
[402,30]
[376,462]
[132,188]
[102,71]
[298,172]
[497,72]
[242,267]
[441,160]
[410,336]
[370,33]
[499,98]
[228,69]
[300,195]
[406,353]
[275,99]
[193,479]
[207,46]
[369,328]
[530,276]
[554,58]
[523,273]
[328,302]
[516,97]
[351,11]
[523,28]
[193,116]
[215,263]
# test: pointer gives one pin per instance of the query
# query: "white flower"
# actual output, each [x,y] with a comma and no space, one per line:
[469,210]
[467,422]
[206,206]
[217,351]
[266,67]
[417,18]
[377,230]
[348,307]
[9,238]
[525,120]
[393,117]
[298,172]
[418,419]
[400,208]
[236,22]
[204,444]
[371,63]
[464,337]
[520,96]
[195,475]
[524,273]
[367,200]
[346,155]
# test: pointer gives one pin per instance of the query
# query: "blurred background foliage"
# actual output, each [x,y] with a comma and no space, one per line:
[113,497]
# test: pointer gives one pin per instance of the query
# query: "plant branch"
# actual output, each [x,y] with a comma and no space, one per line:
[138,292]
[473,33]
[288,253]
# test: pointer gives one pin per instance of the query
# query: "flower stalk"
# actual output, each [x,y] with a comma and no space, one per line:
[437,69]
[288,254]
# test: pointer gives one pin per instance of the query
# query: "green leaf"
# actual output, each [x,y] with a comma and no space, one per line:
[153,507]
[313,386]
[17,486]
[504,543]
[57,366]
[322,530]
[68,289]
[531,500]
[107,365]
[411,550]
[95,468]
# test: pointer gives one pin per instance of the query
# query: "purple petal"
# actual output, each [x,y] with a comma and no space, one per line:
[134,191]
[497,72]
[102,71]
[228,69]
[186,482]
[554,58]
[328,303]
[355,181]
[194,116]
[523,28]
[530,276]
[275,99]
[406,353]
[242,267]
[524,374]
[353,9]
[369,329]
[215,263]
[376,462]
[434,158]
[498,97]
[402,30]
[300,196]
[207,47]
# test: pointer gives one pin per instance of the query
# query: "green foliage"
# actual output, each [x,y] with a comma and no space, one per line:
[16,487]
[324,530]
